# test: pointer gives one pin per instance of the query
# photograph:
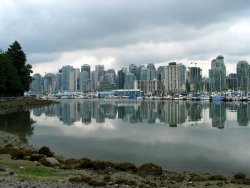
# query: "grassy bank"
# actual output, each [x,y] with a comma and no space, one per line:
[12,105]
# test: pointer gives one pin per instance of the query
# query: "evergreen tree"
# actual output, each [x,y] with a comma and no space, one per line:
[18,59]
[10,84]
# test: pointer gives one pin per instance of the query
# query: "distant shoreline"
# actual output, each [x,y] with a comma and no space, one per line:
[13,104]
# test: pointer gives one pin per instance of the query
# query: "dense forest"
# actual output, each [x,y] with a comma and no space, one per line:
[15,73]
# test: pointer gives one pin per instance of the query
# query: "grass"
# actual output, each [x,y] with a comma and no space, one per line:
[27,170]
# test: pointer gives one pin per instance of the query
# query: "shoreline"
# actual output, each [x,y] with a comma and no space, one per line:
[17,104]
[20,164]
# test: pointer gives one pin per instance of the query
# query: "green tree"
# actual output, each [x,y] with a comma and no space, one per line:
[10,84]
[18,59]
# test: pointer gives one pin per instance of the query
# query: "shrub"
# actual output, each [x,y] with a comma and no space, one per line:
[150,169]
[125,166]
[240,175]
[45,151]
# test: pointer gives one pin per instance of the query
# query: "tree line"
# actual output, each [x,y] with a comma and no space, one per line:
[15,73]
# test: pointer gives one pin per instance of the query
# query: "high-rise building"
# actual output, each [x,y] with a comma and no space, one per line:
[37,84]
[151,71]
[232,81]
[175,78]
[129,81]
[65,76]
[99,75]
[120,79]
[59,81]
[194,78]
[143,73]
[86,67]
[85,81]
[134,70]
[243,73]
[160,79]
[49,83]
[110,76]
[93,81]
[217,74]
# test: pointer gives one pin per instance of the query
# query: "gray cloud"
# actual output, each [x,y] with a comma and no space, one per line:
[193,28]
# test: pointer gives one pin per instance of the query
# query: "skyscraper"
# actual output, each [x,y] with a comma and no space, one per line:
[120,79]
[65,76]
[129,81]
[175,78]
[86,67]
[217,74]
[194,78]
[243,73]
[99,75]
[151,71]
[37,84]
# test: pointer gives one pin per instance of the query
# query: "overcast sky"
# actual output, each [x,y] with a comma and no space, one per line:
[117,33]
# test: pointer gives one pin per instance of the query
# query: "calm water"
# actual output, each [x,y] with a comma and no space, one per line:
[179,135]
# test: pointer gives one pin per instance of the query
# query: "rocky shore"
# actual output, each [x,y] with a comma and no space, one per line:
[8,105]
[24,166]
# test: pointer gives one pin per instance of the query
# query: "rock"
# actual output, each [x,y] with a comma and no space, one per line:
[49,161]
[36,157]
[9,145]
[45,151]
[11,172]
[2,169]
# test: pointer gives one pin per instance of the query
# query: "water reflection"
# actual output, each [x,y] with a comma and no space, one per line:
[172,113]
[142,131]
[18,123]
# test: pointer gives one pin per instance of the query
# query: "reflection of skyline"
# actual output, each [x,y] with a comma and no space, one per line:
[149,112]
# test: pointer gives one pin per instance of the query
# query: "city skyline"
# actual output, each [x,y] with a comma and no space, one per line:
[119,33]
[173,78]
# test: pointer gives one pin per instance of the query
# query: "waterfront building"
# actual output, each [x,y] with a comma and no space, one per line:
[151,73]
[85,81]
[110,76]
[86,67]
[232,81]
[59,81]
[65,76]
[194,78]
[175,78]
[217,74]
[147,86]
[37,84]
[99,75]
[160,79]
[93,81]
[243,73]
[120,79]
[49,83]
[134,70]
[129,81]
[143,73]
